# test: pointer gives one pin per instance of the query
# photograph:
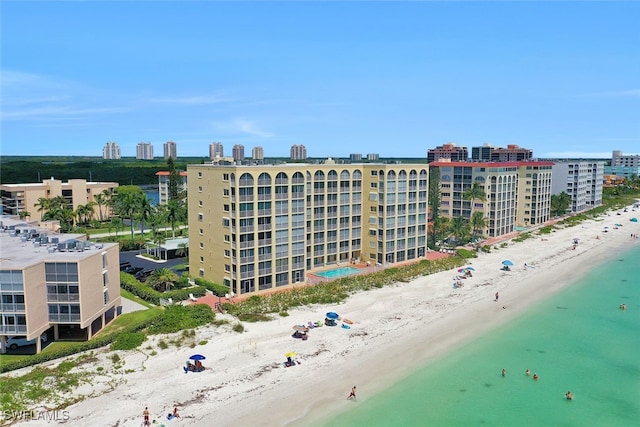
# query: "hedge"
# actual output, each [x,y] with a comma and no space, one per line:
[131,284]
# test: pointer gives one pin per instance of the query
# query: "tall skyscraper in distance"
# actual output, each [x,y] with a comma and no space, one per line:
[111,151]
[354,157]
[238,152]
[144,151]
[373,157]
[170,150]
[298,152]
[257,154]
[216,150]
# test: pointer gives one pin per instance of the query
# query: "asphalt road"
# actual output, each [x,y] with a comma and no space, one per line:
[135,261]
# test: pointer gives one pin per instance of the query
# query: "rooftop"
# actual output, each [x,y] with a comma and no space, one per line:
[23,244]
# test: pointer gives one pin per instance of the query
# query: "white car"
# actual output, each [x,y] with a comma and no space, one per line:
[15,342]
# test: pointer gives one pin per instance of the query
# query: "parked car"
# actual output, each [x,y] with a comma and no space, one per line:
[133,270]
[124,265]
[15,342]
[143,274]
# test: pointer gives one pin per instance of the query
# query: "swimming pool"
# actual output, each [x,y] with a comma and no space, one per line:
[337,272]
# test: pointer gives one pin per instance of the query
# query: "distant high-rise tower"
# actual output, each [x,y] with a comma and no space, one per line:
[257,154]
[111,151]
[373,157]
[216,150]
[170,150]
[144,151]
[448,151]
[238,152]
[355,157]
[298,152]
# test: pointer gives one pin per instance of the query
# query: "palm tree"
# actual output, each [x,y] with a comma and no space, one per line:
[162,279]
[127,203]
[116,222]
[459,228]
[24,214]
[478,222]
[175,212]
[145,211]
[475,192]
[43,205]
[434,203]
[560,203]
[100,200]
[183,250]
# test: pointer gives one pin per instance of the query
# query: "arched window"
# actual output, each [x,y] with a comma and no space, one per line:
[318,176]
[264,179]
[332,175]
[344,175]
[246,180]
[282,178]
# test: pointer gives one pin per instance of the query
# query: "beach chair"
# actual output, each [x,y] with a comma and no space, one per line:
[192,298]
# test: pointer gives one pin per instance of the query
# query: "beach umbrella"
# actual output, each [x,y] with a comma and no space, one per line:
[290,354]
[634,219]
[332,315]
[470,268]
[507,262]
[197,357]
[300,328]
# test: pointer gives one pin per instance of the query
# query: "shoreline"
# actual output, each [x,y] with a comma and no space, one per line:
[397,329]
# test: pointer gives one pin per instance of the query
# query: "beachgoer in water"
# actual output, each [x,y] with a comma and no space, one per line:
[623,306]
[352,395]
[527,372]
[535,376]
[569,395]
[504,372]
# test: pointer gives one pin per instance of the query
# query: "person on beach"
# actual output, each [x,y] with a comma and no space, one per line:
[569,395]
[145,414]
[504,372]
[535,377]
[527,372]
[176,414]
[352,395]
[497,296]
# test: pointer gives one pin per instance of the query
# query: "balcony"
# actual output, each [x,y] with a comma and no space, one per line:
[265,242]
[64,318]
[11,308]
[245,214]
[13,329]
[63,297]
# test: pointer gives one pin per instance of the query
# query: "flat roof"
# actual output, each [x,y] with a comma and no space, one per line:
[17,254]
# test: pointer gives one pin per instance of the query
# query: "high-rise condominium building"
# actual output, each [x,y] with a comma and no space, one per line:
[517,194]
[163,185]
[373,157]
[582,180]
[298,152]
[448,151]
[512,153]
[111,151]
[21,198]
[355,157]
[257,154]
[144,151]
[55,284]
[238,152]
[170,150]
[258,228]
[216,150]
[619,159]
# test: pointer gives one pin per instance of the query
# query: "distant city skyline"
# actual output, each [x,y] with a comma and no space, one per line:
[559,78]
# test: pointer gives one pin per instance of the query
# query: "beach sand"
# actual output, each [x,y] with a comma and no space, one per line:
[396,329]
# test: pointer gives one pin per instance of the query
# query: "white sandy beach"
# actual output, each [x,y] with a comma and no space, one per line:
[396,329]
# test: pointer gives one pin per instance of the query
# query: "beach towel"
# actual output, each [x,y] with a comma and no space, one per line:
[345,326]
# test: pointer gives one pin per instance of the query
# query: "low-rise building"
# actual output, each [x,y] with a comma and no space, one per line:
[58,284]
[17,198]
[163,185]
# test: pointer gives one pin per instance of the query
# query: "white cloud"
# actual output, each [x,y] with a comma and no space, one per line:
[189,100]
[242,126]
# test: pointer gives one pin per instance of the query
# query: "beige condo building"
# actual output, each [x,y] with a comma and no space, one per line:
[18,198]
[518,194]
[53,283]
[257,228]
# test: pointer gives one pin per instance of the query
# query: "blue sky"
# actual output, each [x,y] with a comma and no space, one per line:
[393,78]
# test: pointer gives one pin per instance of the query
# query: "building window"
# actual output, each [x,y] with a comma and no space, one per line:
[200,189]
[200,217]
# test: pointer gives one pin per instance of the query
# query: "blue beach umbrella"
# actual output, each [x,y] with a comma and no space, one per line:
[634,219]
[332,315]
[197,357]
[507,262]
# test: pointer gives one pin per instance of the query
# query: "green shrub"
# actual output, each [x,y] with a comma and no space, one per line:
[178,317]
[283,314]
[466,253]
[163,344]
[238,327]
[128,341]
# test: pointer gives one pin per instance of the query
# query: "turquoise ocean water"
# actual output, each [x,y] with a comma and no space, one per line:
[578,340]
